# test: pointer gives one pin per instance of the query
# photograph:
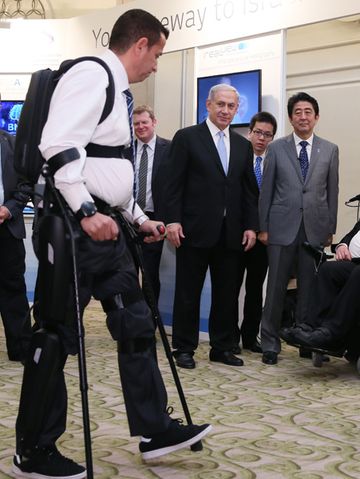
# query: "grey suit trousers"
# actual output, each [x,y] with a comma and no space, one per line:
[283,260]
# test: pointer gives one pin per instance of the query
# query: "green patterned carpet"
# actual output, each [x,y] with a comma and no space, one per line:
[291,421]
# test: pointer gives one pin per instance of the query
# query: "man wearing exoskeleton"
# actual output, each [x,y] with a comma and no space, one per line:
[94,186]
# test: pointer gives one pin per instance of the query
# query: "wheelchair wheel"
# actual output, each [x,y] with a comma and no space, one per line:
[317,359]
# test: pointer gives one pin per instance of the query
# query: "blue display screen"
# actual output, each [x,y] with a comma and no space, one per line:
[10,115]
[248,84]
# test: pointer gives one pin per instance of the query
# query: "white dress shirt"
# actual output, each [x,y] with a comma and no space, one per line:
[75,109]
[354,246]
[149,204]
[297,140]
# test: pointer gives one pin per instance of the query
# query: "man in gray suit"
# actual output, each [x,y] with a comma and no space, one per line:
[298,202]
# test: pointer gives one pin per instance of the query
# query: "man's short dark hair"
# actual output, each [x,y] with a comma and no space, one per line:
[144,109]
[301,96]
[263,117]
[133,25]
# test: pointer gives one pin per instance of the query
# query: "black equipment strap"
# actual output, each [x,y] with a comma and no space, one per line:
[120,301]
[61,159]
[102,151]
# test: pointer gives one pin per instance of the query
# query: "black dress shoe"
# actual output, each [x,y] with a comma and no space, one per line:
[225,357]
[184,360]
[254,347]
[236,350]
[269,357]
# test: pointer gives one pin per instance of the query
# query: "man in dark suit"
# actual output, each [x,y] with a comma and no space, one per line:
[14,306]
[211,215]
[336,300]
[298,202]
[262,129]
[151,151]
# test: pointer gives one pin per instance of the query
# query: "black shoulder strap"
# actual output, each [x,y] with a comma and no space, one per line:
[110,90]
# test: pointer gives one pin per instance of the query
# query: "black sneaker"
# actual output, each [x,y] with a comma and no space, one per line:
[47,463]
[175,437]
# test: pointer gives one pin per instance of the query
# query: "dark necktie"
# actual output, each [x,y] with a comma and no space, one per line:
[303,158]
[142,178]
[222,150]
[257,170]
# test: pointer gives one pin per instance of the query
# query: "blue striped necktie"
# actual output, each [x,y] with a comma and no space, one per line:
[257,170]
[130,109]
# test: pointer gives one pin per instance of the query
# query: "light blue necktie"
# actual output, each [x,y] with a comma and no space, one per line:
[257,170]
[303,158]
[222,150]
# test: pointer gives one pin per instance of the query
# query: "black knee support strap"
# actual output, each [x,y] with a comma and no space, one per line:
[135,345]
[120,301]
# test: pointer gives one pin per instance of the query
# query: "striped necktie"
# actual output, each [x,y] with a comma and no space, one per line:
[130,108]
[142,178]
[257,170]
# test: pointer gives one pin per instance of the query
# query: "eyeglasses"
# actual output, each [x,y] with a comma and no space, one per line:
[265,134]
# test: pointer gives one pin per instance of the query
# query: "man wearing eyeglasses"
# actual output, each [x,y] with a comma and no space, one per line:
[262,129]
[298,203]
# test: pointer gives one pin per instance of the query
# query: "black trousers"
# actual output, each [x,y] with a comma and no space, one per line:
[191,267]
[107,272]
[14,307]
[336,298]
[255,263]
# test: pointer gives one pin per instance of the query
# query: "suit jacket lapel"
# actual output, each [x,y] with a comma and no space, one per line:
[157,155]
[3,164]
[207,139]
[292,153]
[233,153]
[315,153]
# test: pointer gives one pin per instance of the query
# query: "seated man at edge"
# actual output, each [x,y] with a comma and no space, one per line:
[336,300]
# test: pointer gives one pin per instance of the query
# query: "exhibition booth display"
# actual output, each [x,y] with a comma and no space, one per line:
[242,43]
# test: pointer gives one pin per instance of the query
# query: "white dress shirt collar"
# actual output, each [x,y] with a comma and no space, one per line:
[214,130]
[151,144]
[119,72]
[297,140]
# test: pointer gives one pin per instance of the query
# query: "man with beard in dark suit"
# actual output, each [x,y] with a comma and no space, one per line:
[211,215]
